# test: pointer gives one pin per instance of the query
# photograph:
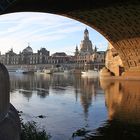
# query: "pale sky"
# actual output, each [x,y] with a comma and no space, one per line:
[55,33]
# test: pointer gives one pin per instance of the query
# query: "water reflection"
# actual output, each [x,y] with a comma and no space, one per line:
[84,89]
[71,102]
[28,84]
[122,99]
[87,89]
[66,100]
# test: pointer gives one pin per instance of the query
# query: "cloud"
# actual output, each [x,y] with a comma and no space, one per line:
[18,45]
[17,29]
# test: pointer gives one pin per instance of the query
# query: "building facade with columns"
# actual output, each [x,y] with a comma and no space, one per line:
[88,54]
[26,57]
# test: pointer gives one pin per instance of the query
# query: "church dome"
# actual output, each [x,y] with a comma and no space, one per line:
[28,50]
[86,30]
[86,44]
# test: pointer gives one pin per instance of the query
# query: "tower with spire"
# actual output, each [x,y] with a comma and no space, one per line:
[86,34]
[85,45]
[76,51]
[88,56]
[95,49]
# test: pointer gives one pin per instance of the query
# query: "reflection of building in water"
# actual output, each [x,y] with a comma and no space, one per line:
[122,100]
[39,84]
[87,93]
[29,84]
[85,89]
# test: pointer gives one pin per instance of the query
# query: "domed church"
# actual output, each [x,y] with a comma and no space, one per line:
[28,50]
[87,55]
[27,56]
[85,45]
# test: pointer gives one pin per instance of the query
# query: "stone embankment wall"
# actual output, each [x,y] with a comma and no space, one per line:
[9,119]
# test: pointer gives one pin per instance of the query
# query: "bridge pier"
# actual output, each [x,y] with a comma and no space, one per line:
[129,52]
[9,119]
[10,125]
[131,74]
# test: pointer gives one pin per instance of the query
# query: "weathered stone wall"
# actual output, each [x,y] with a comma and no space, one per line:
[9,119]
[10,127]
[113,60]
[4,92]
[129,51]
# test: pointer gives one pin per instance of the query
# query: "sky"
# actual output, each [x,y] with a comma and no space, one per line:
[54,32]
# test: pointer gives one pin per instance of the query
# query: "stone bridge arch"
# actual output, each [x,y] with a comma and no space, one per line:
[117,20]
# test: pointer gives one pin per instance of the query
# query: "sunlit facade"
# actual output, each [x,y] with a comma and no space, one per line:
[25,57]
[86,54]
[113,61]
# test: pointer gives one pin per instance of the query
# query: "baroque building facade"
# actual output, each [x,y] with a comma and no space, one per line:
[59,58]
[88,55]
[26,57]
[85,55]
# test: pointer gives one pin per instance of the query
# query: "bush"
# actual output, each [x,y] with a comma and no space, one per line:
[30,131]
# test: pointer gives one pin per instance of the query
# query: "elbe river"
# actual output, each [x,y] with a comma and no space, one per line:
[109,109]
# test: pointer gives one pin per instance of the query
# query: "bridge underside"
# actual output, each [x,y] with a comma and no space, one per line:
[118,21]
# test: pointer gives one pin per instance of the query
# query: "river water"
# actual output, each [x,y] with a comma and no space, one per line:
[104,108]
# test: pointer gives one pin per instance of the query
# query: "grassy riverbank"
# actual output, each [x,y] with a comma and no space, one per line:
[30,131]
